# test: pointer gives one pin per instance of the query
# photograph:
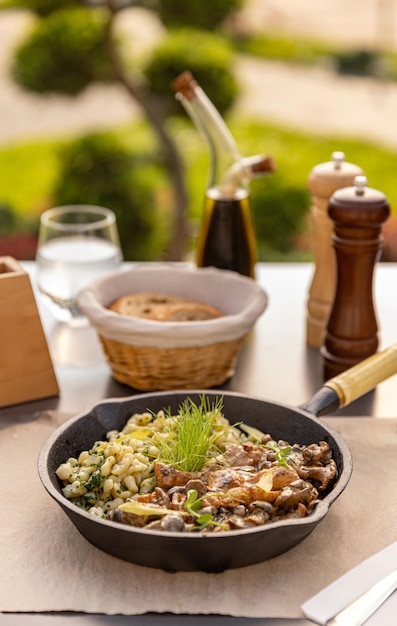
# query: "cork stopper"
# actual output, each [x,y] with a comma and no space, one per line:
[326,178]
[262,164]
[185,85]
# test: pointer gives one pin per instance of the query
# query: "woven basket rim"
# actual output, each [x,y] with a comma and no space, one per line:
[95,298]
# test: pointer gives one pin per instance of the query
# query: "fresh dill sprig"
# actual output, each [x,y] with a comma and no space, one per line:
[192,434]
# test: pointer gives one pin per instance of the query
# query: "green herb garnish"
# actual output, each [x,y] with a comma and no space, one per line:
[94,482]
[193,506]
[192,435]
[282,454]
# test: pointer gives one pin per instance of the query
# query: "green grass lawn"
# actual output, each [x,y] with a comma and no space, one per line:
[296,153]
[29,171]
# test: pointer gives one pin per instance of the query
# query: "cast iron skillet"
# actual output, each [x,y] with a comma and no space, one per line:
[213,552]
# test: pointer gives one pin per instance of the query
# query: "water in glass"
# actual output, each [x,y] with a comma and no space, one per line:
[75,247]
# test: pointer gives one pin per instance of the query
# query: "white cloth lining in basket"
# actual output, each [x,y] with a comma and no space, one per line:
[240,299]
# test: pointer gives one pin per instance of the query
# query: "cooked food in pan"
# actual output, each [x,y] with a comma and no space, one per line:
[194,471]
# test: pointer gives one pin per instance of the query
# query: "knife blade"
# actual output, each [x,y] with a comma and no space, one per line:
[361,609]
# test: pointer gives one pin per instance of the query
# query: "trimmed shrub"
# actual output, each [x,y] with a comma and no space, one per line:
[8,220]
[18,236]
[181,13]
[41,7]
[209,57]
[280,210]
[357,62]
[64,53]
[100,170]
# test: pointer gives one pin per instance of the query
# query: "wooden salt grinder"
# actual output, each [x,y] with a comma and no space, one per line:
[323,181]
[352,332]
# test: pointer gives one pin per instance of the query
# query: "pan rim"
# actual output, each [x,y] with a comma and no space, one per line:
[319,512]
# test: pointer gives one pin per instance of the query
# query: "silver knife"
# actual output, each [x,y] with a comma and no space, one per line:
[361,609]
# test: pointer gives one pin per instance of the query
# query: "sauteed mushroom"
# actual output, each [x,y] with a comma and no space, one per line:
[244,543]
[231,492]
[243,478]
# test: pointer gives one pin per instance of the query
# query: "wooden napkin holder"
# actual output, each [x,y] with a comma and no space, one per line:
[26,370]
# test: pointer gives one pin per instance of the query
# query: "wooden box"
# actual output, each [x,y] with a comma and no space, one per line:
[26,370]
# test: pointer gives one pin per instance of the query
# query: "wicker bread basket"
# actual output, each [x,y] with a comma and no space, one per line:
[153,355]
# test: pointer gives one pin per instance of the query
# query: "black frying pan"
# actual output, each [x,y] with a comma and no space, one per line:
[213,552]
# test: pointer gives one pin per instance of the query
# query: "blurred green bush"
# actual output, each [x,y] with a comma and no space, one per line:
[9,220]
[99,169]
[280,209]
[18,234]
[63,54]
[41,8]
[357,62]
[182,13]
[208,56]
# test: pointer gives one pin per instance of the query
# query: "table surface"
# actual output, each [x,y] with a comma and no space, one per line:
[275,364]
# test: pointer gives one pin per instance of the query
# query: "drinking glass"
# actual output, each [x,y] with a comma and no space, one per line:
[77,244]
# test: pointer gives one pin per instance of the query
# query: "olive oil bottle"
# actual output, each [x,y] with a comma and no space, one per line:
[227,236]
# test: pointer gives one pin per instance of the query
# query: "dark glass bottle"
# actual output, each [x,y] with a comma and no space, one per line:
[227,239]
[227,236]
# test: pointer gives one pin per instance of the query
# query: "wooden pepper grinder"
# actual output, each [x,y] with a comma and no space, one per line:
[352,332]
[323,181]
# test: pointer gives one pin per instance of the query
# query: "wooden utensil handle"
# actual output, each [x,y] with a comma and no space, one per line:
[366,375]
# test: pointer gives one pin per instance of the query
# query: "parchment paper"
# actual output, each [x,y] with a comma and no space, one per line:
[46,565]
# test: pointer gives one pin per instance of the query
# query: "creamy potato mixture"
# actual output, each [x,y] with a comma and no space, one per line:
[194,471]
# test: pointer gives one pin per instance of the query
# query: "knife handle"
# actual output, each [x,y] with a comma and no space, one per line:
[356,613]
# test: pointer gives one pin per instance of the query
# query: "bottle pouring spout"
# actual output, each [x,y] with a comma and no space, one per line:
[240,170]
[227,238]
[249,167]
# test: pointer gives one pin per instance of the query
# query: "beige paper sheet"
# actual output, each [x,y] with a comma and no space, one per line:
[46,565]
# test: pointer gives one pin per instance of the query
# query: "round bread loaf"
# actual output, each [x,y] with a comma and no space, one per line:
[164,308]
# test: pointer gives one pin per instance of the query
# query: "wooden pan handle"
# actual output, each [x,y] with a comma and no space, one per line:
[341,390]
[366,375]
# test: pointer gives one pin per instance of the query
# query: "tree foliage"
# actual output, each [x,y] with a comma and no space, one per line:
[74,43]
[64,53]
[41,7]
[208,57]
[102,171]
[280,209]
[174,13]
